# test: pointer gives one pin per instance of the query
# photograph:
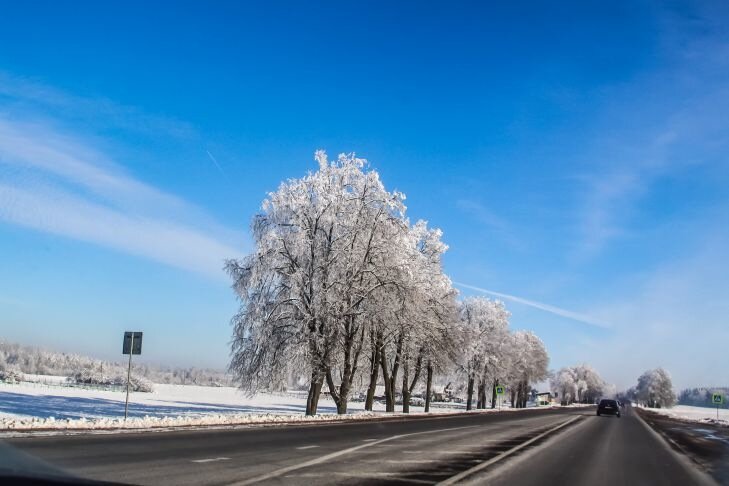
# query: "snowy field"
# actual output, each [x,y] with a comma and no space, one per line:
[46,404]
[695,414]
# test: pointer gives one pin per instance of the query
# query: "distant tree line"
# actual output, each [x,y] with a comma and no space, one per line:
[16,360]
[701,397]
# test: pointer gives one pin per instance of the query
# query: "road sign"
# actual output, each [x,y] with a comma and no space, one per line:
[133,342]
[717,399]
[132,345]
[500,390]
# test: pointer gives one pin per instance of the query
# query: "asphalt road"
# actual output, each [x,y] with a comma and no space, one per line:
[571,446]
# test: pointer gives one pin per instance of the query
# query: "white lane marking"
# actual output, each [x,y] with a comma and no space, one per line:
[212,459]
[307,447]
[328,457]
[413,452]
[368,440]
[398,461]
[372,475]
[503,455]
[411,461]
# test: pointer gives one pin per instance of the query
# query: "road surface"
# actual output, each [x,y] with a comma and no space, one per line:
[557,446]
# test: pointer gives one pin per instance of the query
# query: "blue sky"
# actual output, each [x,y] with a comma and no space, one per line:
[574,154]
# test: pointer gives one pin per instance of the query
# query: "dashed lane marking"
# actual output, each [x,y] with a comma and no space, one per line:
[212,459]
[329,457]
[307,447]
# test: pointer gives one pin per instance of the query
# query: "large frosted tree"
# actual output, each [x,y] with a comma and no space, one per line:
[483,326]
[338,275]
[655,389]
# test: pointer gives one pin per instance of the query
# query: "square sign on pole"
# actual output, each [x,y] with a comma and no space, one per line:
[500,390]
[718,400]
[132,343]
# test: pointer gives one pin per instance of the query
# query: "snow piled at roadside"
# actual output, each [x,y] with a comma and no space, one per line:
[223,420]
[147,422]
[44,408]
[688,413]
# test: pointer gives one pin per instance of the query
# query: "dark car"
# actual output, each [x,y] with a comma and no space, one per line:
[608,407]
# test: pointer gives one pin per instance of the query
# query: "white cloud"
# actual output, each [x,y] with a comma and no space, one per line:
[661,125]
[60,184]
[28,95]
[673,317]
[66,215]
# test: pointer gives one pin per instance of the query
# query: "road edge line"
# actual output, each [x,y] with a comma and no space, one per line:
[469,472]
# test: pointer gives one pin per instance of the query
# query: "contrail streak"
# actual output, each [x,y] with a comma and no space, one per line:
[215,162]
[538,305]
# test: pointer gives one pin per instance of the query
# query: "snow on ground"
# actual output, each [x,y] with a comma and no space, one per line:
[694,414]
[44,406]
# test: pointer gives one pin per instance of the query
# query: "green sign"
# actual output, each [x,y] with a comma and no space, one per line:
[716,398]
[500,390]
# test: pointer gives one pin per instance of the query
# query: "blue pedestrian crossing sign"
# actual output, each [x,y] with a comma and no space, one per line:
[717,399]
[500,390]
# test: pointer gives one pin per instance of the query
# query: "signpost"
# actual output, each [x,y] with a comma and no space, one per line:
[500,390]
[132,345]
[718,400]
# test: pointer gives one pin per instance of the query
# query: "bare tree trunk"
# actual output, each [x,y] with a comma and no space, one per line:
[405,390]
[376,342]
[479,392]
[493,394]
[408,387]
[390,377]
[428,386]
[470,392]
[312,400]
[389,398]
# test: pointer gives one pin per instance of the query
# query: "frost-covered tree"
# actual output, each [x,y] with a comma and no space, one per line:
[655,389]
[331,252]
[482,328]
[528,364]
[580,384]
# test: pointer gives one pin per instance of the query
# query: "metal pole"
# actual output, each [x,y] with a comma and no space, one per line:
[129,374]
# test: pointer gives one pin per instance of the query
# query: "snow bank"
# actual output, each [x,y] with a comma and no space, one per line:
[44,407]
[694,414]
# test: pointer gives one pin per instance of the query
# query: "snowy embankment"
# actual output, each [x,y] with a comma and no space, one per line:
[35,407]
[694,414]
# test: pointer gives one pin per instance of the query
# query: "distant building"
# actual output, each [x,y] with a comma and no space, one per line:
[544,399]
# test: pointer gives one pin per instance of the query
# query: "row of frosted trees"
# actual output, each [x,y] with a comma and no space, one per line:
[342,288]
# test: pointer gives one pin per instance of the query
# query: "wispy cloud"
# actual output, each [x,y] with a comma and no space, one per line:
[61,213]
[493,222]
[576,316]
[674,316]
[61,184]
[26,94]
[657,127]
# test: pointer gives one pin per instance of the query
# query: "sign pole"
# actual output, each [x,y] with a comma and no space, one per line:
[129,375]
